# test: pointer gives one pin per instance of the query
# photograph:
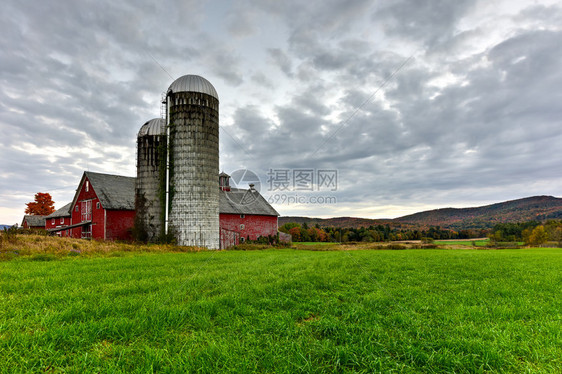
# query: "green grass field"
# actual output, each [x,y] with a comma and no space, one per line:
[284,311]
[479,242]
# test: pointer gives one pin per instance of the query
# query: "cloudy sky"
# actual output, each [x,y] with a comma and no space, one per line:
[417,104]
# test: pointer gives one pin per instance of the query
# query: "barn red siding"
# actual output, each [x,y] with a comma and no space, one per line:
[254,225]
[119,224]
[77,211]
[58,222]
[106,224]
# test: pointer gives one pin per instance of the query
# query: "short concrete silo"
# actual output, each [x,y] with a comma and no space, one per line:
[150,183]
[192,107]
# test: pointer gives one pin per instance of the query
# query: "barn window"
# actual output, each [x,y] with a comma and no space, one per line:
[76,209]
[87,186]
[53,221]
[62,220]
[86,210]
[242,227]
[242,216]
[98,205]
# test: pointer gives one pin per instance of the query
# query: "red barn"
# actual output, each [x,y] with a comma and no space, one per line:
[244,214]
[33,222]
[59,219]
[103,207]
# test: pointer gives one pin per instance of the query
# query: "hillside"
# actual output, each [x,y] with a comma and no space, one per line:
[527,209]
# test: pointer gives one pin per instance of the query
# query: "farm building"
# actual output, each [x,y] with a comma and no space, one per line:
[192,116]
[33,222]
[103,208]
[151,141]
[243,214]
[178,191]
[60,218]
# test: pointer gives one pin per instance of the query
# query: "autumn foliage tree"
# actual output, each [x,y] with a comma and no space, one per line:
[296,234]
[538,236]
[42,206]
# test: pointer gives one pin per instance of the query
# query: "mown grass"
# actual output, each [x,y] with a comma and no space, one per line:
[285,311]
[317,246]
[478,243]
[486,243]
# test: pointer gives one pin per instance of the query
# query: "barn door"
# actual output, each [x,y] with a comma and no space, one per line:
[87,231]
[86,210]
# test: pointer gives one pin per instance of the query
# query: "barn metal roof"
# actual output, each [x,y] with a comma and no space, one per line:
[193,83]
[62,212]
[241,201]
[156,126]
[34,221]
[114,191]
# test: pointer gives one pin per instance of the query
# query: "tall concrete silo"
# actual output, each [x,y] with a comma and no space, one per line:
[150,184]
[192,112]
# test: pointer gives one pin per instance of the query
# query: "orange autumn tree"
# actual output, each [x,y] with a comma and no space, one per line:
[42,206]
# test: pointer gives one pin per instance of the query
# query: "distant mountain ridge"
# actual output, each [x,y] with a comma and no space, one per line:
[527,209]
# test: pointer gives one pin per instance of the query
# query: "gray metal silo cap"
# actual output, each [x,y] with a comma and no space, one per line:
[193,83]
[156,126]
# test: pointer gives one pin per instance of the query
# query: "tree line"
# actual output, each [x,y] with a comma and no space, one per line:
[375,233]
[532,232]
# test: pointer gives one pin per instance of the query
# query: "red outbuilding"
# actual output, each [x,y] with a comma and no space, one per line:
[61,218]
[33,222]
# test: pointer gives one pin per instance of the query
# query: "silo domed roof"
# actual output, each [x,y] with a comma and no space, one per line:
[156,126]
[193,83]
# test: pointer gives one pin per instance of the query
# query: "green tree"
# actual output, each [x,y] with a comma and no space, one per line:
[305,237]
[556,235]
[288,226]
